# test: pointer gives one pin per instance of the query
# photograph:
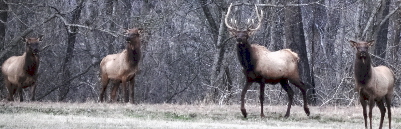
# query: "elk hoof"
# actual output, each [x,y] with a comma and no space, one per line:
[307,111]
[262,115]
[244,112]
[287,115]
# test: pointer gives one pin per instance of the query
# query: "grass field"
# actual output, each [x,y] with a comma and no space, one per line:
[105,115]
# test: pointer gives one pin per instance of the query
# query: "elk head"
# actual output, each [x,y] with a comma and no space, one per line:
[32,44]
[362,49]
[133,37]
[243,35]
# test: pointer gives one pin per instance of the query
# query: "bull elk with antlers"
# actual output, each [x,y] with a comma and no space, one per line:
[21,71]
[122,67]
[263,66]
[374,84]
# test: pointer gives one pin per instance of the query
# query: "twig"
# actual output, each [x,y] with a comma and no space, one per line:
[280,5]
[86,27]
[335,93]
[370,21]
[67,82]
[385,61]
[16,39]
[352,100]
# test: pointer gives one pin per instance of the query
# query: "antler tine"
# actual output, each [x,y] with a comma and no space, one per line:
[250,22]
[226,17]
[260,17]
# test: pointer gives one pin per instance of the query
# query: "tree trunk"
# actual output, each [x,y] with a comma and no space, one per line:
[3,20]
[278,27]
[218,36]
[71,39]
[295,39]
[395,32]
[381,42]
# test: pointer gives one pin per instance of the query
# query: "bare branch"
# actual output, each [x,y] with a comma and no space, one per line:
[370,21]
[335,93]
[14,41]
[389,15]
[86,27]
[289,5]
[68,81]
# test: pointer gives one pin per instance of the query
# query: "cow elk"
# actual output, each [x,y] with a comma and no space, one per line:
[122,67]
[374,84]
[21,71]
[263,66]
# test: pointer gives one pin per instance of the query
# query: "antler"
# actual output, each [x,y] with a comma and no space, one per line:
[260,17]
[226,18]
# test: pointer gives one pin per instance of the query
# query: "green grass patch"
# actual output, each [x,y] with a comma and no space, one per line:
[176,116]
[98,115]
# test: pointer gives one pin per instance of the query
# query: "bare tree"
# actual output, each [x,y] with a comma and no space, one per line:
[188,56]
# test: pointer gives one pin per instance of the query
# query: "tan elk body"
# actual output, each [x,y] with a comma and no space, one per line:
[263,66]
[285,62]
[374,84]
[21,71]
[122,67]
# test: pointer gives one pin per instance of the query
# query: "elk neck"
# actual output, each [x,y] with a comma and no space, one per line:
[244,55]
[31,62]
[363,69]
[133,52]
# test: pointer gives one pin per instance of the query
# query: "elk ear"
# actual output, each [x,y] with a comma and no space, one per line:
[370,43]
[24,39]
[232,31]
[123,31]
[140,31]
[353,43]
[250,32]
[40,38]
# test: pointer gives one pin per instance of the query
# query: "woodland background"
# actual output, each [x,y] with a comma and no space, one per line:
[188,54]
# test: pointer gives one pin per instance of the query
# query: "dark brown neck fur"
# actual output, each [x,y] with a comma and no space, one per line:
[31,63]
[133,52]
[244,55]
[363,70]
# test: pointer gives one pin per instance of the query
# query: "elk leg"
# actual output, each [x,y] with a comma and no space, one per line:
[104,82]
[33,89]
[388,104]
[10,88]
[19,90]
[132,90]
[303,89]
[364,104]
[262,98]
[380,104]
[290,92]
[113,93]
[11,92]
[125,91]
[371,105]
[244,90]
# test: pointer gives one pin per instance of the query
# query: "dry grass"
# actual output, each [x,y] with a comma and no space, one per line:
[105,115]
